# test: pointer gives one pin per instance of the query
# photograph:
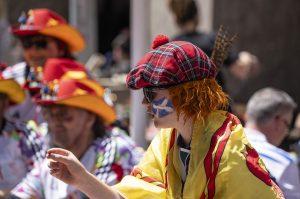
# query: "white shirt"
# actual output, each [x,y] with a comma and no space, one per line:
[281,165]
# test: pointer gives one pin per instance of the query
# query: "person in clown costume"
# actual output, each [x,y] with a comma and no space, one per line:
[43,34]
[21,144]
[201,151]
[78,119]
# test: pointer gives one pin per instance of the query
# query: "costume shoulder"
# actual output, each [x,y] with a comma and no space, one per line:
[242,173]
[147,179]
[16,72]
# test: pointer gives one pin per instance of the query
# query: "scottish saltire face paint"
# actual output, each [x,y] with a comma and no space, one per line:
[162,107]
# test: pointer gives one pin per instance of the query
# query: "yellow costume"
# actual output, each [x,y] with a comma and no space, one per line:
[222,165]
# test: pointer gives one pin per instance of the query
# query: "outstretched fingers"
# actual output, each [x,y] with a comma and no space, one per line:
[59,151]
[59,155]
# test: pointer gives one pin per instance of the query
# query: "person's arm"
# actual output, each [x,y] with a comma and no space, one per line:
[146,179]
[94,188]
[66,167]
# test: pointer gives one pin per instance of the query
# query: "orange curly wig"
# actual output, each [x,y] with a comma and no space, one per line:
[197,99]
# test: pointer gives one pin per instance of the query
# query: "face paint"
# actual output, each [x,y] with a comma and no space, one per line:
[162,107]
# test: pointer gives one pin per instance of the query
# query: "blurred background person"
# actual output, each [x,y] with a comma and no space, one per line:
[186,15]
[117,60]
[268,118]
[43,34]
[78,119]
[21,144]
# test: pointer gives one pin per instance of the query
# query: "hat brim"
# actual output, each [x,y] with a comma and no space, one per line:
[20,32]
[87,102]
[64,32]
[13,90]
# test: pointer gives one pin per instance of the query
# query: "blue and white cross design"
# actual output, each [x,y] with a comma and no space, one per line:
[162,107]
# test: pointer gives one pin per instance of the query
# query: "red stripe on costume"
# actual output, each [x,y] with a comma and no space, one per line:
[252,161]
[136,172]
[213,143]
[217,160]
[208,158]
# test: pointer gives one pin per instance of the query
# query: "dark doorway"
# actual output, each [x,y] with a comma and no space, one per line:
[113,16]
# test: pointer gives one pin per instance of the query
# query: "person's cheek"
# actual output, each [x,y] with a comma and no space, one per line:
[162,107]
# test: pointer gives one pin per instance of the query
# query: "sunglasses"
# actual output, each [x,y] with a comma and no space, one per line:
[38,42]
[149,94]
[62,114]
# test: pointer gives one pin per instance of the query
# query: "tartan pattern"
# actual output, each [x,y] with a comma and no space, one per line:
[171,64]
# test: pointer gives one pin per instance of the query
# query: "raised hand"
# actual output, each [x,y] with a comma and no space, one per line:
[65,166]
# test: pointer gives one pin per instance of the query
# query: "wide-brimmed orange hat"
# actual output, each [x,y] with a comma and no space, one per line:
[81,93]
[12,89]
[62,68]
[47,22]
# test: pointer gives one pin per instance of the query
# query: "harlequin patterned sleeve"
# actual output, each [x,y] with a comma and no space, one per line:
[116,156]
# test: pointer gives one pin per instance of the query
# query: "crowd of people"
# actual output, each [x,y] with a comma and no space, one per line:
[58,106]
[59,137]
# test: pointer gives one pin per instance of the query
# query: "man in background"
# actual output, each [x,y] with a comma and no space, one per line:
[268,118]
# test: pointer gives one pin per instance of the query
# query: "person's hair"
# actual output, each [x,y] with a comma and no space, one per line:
[197,99]
[66,50]
[122,41]
[267,103]
[184,10]
[3,95]
[98,127]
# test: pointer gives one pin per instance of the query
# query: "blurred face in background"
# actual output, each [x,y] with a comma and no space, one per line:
[68,126]
[38,48]
[281,123]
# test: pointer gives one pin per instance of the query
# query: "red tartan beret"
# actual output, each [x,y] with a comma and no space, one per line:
[170,64]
